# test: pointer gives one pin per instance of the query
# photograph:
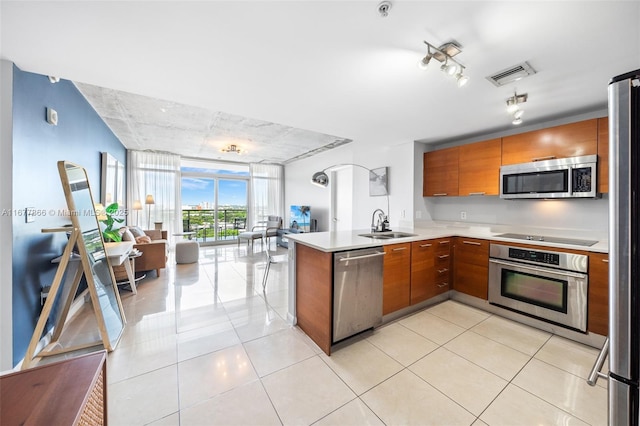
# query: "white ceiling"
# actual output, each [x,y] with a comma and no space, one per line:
[329,67]
[141,122]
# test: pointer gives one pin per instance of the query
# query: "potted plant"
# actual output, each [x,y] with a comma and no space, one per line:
[105,215]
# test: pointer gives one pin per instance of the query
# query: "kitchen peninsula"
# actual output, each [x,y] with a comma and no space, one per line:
[464,247]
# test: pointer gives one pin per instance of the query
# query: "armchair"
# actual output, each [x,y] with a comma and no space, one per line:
[263,230]
[154,252]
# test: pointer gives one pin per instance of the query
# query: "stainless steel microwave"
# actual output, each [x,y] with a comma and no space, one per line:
[573,177]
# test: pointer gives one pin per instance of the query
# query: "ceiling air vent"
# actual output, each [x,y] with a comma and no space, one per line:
[511,74]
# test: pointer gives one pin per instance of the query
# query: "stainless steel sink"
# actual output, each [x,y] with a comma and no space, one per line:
[387,235]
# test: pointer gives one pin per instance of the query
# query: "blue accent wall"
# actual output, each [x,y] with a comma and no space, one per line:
[79,137]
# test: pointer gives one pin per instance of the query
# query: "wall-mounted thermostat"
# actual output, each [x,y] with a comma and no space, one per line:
[52,116]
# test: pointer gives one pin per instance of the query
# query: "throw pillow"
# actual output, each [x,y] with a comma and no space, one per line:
[137,231]
[127,235]
[145,239]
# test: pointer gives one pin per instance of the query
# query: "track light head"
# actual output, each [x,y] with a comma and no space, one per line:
[512,106]
[424,62]
[514,109]
[462,79]
[452,69]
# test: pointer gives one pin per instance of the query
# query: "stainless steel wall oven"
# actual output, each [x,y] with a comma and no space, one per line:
[548,285]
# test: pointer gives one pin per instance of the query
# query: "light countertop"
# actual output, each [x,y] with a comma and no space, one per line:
[349,240]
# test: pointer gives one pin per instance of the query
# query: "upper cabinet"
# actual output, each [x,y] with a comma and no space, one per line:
[479,168]
[440,174]
[474,169]
[603,155]
[568,140]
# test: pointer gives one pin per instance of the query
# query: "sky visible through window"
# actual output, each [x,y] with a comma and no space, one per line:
[199,191]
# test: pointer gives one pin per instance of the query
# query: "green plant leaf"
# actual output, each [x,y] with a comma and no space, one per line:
[111,209]
[112,235]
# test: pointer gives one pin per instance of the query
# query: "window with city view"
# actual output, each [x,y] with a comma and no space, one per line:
[214,199]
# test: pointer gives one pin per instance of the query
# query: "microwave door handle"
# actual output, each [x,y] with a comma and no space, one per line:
[570,180]
[541,270]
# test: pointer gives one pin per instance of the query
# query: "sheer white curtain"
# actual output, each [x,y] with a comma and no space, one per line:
[267,193]
[155,174]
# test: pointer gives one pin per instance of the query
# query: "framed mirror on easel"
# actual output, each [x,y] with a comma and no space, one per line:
[94,264]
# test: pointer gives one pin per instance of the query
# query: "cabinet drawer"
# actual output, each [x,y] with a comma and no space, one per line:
[472,251]
[443,245]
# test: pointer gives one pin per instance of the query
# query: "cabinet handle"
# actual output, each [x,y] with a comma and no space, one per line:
[605,260]
[548,157]
[440,194]
[473,243]
[398,248]
[444,242]
[425,245]
[443,256]
[477,193]
[443,285]
[442,271]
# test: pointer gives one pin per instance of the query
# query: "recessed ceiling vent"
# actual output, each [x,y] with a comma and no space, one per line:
[511,74]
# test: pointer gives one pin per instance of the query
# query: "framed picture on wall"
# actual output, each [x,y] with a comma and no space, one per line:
[378,182]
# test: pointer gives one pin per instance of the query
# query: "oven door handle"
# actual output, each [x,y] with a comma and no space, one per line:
[541,270]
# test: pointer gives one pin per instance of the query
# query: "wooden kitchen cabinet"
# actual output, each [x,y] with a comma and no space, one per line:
[443,264]
[603,155]
[423,270]
[471,266]
[598,310]
[314,294]
[479,168]
[440,173]
[69,392]
[568,140]
[396,293]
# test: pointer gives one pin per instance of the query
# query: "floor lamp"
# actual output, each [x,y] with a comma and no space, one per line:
[148,201]
[137,205]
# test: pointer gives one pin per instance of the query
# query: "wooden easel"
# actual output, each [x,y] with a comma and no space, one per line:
[92,256]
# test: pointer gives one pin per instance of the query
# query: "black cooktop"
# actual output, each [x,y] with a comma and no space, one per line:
[545,239]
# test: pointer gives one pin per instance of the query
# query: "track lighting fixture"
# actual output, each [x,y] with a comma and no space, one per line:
[514,109]
[445,54]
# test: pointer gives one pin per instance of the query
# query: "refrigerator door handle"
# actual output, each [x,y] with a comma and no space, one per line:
[595,371]
[620,226]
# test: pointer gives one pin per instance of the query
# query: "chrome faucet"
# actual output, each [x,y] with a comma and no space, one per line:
[382,221]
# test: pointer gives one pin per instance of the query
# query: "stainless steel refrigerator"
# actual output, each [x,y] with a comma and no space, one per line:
[624,249]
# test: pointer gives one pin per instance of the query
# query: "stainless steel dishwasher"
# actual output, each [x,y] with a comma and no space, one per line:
[357,291]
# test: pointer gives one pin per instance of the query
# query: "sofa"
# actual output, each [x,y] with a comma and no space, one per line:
[153,245]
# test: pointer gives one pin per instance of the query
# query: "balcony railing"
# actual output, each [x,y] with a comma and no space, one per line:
[203,222]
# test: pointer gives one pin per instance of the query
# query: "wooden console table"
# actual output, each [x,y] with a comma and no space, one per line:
[69,392]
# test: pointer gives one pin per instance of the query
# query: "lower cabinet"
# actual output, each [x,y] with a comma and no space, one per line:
[396,292]
[471,266]
[423,271]
[598,309]
[314,294]
[415,272]
[443,264]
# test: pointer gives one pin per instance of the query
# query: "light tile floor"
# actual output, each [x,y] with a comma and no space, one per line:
[204,345]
